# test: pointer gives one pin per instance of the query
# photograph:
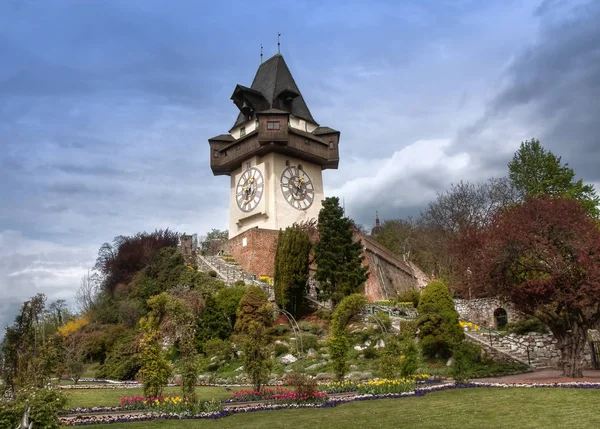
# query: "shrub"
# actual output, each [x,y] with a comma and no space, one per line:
[409,362]
[323,314]
[438,325]
[313,328]
[389,364]
[370,352]
[466,356]
[408,328]
[523,327]
[310,341]
[254,307]
[280,330]
[212,273]
[302,384]
[223,350]
[410,295]
[281,349]
[45,406]
[382,318]
[339,343]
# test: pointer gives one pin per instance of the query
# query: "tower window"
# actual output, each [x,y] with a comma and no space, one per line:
[273,125]
[330,145]
[242,131]
[216,153]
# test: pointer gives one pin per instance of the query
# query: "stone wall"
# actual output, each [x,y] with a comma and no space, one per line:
[481,311]
[542,348]
[389,275]
[254,250]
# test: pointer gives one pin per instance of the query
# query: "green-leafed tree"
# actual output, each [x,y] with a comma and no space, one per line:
[439,329]
[537,172]
[254,317]
[340,271]
[292,269]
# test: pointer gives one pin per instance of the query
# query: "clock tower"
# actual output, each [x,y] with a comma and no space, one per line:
[274,154]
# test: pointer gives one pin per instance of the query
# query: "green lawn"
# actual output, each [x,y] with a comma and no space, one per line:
[112,397]
[464,408]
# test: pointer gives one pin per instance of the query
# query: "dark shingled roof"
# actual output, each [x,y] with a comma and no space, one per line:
[272,78]
[223,138]
[324,130]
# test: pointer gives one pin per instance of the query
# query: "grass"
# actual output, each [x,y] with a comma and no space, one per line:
[112,397]
[464,409]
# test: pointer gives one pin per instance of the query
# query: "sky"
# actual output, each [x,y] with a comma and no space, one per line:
[106,107]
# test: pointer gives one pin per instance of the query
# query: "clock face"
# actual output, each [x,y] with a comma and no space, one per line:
[249,189]
[297,188]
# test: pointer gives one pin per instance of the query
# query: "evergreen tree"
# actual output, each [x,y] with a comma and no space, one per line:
[291,269]
[439,329]
[537,172]
[339,262]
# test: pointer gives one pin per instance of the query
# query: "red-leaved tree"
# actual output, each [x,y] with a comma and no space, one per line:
[544,256]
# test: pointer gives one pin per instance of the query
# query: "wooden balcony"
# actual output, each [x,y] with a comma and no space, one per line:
[273,135]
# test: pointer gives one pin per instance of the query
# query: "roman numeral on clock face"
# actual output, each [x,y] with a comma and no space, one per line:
[297,188]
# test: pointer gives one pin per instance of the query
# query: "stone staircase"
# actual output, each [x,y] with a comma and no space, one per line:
[231,273]
[489,341]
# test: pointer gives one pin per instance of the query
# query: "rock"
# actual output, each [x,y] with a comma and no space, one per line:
[358,348]
[287,359]
[279,342]
[323,376]
[352,367]
[380,344]
[356,375]
[450,362]
[368,343]
[325,356]
[241,368]
[315,366]
[311,353]
[214,358]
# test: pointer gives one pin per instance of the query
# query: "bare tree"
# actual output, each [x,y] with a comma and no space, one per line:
[88,291]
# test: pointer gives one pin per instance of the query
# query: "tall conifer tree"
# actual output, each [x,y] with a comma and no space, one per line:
[339,262]
[291,269]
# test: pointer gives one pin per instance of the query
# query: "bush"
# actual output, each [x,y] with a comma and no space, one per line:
[212,273]
[370,352]
[438,325]
[523,327]
[409,363]
[303,384]
[408,328]
[382,318]
[313,328]
[410,295]
[223,350]
[310,341]
[389,364]
[281,349]
[323,314]
[45,406]
[280,330]
[466,357]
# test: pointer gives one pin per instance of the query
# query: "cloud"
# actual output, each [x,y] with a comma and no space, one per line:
[29,267]
[550,90]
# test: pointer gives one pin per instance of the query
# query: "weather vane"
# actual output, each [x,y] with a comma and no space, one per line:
[278,43]
[261,53]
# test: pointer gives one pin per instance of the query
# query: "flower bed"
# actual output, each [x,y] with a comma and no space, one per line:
[170,404]
[279,395]
[376,386]
[332,402]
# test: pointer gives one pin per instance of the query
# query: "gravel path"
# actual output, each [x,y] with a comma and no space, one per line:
[543,376]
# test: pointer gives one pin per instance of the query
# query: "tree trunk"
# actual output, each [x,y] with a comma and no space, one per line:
[572,345]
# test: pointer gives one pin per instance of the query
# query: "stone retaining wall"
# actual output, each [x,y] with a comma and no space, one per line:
[481,311]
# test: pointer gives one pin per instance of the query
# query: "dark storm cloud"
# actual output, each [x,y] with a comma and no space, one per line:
[551,91]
